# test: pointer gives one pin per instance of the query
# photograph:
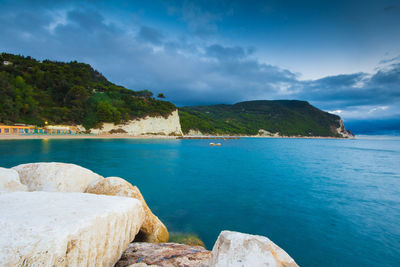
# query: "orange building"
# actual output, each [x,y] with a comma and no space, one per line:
[16,129]
[50,129]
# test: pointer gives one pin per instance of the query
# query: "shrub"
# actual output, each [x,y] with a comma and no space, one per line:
[186,238]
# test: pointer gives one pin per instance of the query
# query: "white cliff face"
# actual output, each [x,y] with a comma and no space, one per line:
[195,133]
[66,229]
[263,132]
[55,177]
[234,249]
[341,130]
[146,126]
[9,181]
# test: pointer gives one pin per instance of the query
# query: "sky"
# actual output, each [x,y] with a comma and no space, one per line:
[341,56]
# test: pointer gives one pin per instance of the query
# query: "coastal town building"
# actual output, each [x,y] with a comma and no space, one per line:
[61,129]
[16,129]
[30,129]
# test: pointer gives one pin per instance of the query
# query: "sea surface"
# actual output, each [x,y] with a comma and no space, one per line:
[326,202]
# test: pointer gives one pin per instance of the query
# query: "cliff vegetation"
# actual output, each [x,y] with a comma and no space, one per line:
[34,92]
[285,117]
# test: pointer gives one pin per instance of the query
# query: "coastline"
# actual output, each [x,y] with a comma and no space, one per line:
[114,136]
[302,137]
[126,136]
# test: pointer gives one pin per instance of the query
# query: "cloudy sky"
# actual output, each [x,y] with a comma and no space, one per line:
[341,56]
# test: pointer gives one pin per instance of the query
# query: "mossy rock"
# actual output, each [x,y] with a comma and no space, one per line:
[186,238]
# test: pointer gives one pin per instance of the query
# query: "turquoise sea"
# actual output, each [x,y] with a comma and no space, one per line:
[326,202]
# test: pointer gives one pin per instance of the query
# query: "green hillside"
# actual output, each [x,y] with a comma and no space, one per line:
[34,92]
[286,117]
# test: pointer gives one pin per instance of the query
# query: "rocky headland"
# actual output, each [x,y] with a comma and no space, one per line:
[59,214]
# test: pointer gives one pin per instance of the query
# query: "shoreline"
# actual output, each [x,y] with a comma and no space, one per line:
[114,136]
[125,136]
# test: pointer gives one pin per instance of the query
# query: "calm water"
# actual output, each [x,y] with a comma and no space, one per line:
[326,202]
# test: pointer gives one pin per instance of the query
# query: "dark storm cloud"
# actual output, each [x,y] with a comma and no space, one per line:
[180,69]
[151,35]
[188,71]
[375,126]
[201,17]
[391,8]
[388,76]
[357,96]
[341,91]
[223,52]
[390,60]
[86,20]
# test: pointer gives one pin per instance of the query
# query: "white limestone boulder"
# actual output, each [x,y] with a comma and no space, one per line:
[9,181]
[55,177]
[234,249]
[66,229]
[152,230]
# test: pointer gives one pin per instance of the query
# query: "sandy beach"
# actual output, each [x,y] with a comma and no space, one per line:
[114,136]
[126,136]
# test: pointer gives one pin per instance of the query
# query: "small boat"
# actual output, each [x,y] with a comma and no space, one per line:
[217,144]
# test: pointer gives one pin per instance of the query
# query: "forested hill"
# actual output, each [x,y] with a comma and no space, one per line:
[285,117]
[33,92]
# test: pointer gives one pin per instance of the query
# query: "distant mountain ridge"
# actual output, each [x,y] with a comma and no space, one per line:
[38,92]
[262,117]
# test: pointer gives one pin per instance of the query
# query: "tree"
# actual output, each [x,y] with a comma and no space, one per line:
[116,116]
[7,107]
[145,93]
[105,111]
[24,97]
[77,96]
[108,113]
[161,95]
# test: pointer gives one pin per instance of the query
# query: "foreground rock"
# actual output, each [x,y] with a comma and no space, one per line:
[237,249]
[165,255]
[9,181]
[66,229]
[71,228]
[152,230]
[55,177]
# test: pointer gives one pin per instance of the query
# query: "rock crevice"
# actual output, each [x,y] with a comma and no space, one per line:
[152,229]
